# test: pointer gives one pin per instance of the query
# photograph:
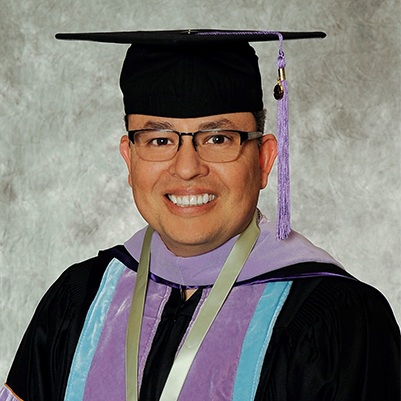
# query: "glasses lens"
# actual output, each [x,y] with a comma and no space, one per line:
[156,145]
[218,146]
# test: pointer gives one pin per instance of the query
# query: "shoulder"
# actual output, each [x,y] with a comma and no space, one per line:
[334,335]
[81,280]
[47,348]
[69,297]
[325,288]
[327,303]
[326,292]
[341,317]
[331,295]
[340,302]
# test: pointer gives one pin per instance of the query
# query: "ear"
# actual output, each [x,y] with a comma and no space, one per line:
[125,151]
[267,156]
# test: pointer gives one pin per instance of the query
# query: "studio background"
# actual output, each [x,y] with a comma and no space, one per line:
[63,187]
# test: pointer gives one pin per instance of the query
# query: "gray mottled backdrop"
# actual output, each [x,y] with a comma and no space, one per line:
[63,190]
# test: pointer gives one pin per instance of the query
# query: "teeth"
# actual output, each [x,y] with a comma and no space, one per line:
[191,200]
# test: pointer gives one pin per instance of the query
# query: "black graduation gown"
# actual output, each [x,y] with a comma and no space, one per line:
[335,338]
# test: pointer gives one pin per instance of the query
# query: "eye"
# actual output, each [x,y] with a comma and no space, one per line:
[160,142]
[220,138]
[156,139]
[217,139]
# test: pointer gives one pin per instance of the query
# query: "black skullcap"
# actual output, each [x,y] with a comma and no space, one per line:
[191,81]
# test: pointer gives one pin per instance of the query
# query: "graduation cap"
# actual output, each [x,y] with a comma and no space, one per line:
[194,73]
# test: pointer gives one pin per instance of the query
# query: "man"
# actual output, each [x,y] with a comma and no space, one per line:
[205,303]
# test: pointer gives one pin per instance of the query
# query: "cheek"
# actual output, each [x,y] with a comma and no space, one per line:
[250,171]
[139,180]
[143,197]
[243,181]
[251,186]
[144,179]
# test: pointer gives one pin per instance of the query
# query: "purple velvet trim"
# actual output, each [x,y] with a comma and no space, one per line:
[6,394]
[103,382]
[221,357]
[198,271]
[106,379]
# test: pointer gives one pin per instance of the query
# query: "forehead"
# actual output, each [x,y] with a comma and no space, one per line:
[241,121]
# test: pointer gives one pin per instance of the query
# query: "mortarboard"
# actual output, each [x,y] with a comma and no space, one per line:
[193,73]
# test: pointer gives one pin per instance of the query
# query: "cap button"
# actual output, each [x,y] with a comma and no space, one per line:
[189,32]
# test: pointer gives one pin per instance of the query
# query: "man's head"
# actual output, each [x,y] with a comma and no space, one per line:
[196,205]
[196,191]
[188,77]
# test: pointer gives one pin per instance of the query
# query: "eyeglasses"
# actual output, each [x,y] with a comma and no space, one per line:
[215,145]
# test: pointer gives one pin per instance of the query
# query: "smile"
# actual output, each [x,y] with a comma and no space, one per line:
[191,200]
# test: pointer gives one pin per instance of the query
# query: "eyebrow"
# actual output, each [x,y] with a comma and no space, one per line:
[158,125]
[220,123]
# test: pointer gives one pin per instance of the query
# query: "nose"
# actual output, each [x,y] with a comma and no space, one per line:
[186,164]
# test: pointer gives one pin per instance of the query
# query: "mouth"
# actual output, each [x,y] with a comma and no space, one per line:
[190,200]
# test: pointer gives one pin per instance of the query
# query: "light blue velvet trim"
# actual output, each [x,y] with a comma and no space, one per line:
[257,339]
[91,332]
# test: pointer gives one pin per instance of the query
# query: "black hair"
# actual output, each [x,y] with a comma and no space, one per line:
[260,118]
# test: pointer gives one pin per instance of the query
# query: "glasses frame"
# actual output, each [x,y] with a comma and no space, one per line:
[244,136]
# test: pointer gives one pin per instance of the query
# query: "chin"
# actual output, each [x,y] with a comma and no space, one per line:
[188,244]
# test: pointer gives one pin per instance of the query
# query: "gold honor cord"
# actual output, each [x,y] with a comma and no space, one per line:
[208,312]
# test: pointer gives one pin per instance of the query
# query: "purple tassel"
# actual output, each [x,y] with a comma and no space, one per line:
[283,227]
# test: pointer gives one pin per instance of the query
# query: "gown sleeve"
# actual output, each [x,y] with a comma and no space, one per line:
[336,339]
[41,366]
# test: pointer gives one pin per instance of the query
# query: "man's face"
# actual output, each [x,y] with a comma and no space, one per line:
[228,191]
